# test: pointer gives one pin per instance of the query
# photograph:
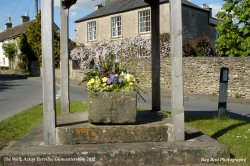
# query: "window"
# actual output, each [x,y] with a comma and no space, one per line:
[91,31]
[143,53]
[144,21]
[3,61]
[116,26]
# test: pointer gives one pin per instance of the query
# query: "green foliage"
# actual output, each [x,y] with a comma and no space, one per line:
[27,55]
[238,95]
[33,34]
[10,51]
[110,76]
[234,29]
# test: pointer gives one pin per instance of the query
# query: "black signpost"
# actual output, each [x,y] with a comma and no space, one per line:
[222,106]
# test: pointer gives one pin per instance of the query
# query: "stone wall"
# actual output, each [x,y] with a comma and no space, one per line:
[201,75]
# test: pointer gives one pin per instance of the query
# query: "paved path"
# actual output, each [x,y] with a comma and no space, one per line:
[18,93]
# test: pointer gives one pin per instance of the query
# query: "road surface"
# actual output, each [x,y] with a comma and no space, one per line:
[17,94]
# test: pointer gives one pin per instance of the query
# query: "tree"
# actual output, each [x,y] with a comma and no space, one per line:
[33,34]
[27,55]
[234,29]
[10,51]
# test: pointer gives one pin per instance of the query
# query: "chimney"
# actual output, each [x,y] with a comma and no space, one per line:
[97,7]
[210,12]
[24,19]
[8,25]
[206,6]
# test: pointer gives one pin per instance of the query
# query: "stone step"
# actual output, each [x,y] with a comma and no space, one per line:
[150,127]
[197,149]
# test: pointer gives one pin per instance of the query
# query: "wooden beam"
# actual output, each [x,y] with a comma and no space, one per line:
[66,4]
[64,60]
[47,22]
[177,106]
[155,44]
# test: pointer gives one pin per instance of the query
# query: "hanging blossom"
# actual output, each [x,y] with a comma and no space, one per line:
[122,48]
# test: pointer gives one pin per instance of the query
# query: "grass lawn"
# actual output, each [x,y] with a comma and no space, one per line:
[233,133]
[15,127]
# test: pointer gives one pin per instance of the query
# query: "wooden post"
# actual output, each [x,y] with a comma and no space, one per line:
[36,7]
[177,106]
[155,44]
[64,59]
[48,72]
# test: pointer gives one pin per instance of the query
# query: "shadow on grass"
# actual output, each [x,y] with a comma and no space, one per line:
[209,115]
[225,130]
[199,115]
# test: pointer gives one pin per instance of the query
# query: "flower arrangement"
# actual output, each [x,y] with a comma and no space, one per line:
[110,76]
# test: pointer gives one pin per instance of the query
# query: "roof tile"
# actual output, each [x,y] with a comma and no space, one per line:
[15,31]
[125,5]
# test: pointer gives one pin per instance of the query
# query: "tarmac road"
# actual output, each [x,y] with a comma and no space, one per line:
[18,93]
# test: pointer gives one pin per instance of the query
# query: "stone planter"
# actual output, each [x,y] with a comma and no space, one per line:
[112,107]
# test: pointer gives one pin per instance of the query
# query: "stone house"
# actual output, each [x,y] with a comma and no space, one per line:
[10,34]
[125,18]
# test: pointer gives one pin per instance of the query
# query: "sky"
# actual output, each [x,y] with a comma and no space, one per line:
[17,8]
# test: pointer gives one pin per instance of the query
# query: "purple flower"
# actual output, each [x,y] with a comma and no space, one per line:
[111,79]
[120,79]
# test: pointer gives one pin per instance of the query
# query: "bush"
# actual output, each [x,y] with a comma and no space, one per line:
[199,47]
[188,50]
[124,48]
[33,34]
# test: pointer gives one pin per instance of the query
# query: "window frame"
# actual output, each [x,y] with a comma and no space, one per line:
[4,62]
[143,53]
[91,31]
[116,24]
[144,21]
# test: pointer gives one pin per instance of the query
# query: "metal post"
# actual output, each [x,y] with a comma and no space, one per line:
[177,106]
[47,22]
[222,105]
[64,59]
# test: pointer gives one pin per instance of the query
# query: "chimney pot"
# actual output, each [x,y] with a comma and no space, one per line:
[24,19]
[205,6]
[97,7]
[8,25]
[9,20]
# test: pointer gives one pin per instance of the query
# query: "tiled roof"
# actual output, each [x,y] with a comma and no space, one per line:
[15,31]
[126,5]
[214,21]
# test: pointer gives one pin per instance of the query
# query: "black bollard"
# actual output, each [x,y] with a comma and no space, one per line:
[222,106]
